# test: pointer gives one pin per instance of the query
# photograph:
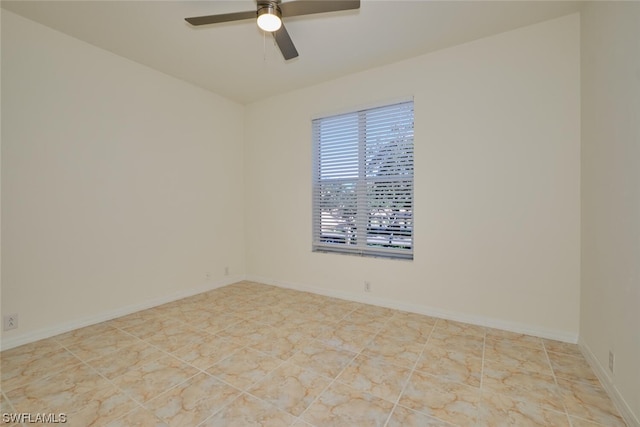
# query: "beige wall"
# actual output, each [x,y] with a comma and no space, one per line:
[121,186]
[133,185]
[610,297]
[497,208]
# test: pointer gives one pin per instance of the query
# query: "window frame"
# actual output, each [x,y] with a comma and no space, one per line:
[361,195]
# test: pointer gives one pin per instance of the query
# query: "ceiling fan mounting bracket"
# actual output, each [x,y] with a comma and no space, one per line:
[263,3]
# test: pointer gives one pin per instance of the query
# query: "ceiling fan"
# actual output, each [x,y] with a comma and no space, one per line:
[269,16]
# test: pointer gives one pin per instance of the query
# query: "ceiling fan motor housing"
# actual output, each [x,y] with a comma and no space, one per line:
[269,5]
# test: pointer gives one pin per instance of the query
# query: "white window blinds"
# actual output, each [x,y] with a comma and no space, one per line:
[363,182]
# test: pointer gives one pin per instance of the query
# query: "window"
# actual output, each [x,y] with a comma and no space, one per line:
[363,182]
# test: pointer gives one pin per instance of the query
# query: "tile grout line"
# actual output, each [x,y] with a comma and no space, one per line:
[555,380]
[48,374]
[242,298]
[166,353]
[282,362]
[81,361]
[413,368]
[484,349]
[162,353]
[223,407]
[435,327]
[87,362]
[245,390]
[482,391]
[106,379]
[335,378]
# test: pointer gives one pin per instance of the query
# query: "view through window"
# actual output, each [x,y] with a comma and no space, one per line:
[363,182]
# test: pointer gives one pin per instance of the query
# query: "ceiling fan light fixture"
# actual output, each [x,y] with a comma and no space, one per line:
[269,18]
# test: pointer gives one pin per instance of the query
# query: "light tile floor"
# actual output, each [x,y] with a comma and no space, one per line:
[251,354]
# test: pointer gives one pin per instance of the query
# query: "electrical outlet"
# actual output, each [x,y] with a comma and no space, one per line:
[367,286]
[10,321]
[611,361]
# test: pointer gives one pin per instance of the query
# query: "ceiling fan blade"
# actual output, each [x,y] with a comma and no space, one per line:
[225,17]
[308,7]
[285,43]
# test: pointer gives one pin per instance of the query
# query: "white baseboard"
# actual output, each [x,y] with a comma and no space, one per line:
[17,340]
[14,341]
[608,383]
[426,310]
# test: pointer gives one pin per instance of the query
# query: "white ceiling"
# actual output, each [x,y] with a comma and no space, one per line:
[237,61]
